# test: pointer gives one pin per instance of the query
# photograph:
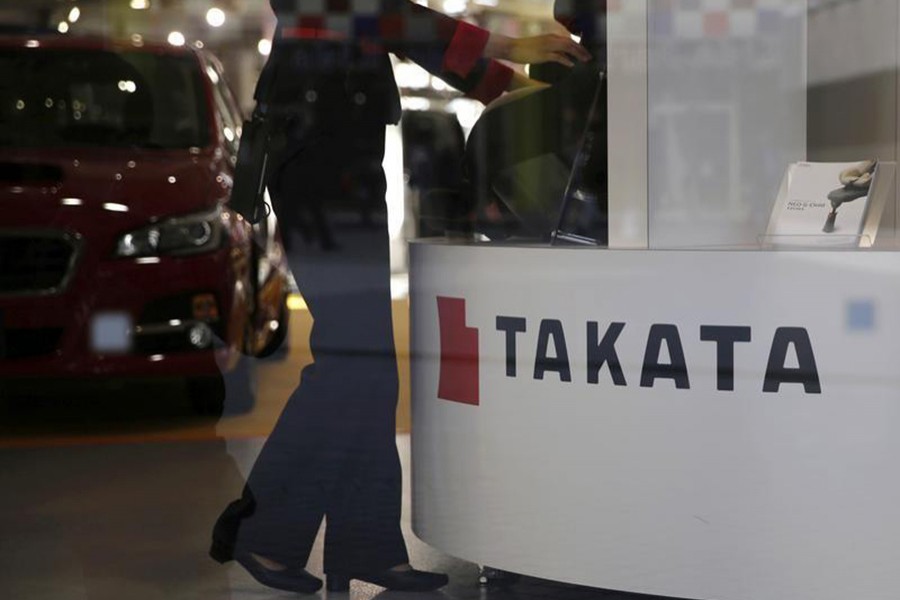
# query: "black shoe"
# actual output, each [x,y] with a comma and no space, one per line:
[401,581]
[290,579]
[225,531]
[223,551]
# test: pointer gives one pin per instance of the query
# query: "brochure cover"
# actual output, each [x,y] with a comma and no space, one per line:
[823,203]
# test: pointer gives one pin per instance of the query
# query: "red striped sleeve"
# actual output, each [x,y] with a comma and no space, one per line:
[495,81]
[465,49]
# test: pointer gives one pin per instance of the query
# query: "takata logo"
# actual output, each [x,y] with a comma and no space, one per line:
[459,353]
[664,357]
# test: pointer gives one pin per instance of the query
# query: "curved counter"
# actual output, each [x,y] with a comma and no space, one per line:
[700,424]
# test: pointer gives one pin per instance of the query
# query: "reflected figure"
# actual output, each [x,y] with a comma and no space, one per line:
[856,183]
[516,177]
[332,455]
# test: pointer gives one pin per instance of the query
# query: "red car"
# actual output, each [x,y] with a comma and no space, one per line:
[119,255]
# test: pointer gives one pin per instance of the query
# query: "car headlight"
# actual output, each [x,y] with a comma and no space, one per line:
[190,234]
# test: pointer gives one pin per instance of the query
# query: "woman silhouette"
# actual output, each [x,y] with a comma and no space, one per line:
[329,88]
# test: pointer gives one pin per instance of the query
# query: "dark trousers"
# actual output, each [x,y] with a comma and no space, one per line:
[333,452]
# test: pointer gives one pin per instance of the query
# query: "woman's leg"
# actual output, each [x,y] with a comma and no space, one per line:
[333,451]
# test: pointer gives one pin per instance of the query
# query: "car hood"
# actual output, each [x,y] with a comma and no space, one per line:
[127,187]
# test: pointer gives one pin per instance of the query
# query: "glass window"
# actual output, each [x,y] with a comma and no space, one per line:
[101,98]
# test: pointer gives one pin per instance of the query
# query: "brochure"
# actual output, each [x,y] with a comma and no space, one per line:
[824,204]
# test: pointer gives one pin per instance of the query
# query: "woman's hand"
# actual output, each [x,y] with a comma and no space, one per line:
[550,47]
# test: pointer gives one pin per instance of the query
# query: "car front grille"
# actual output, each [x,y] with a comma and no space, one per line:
[38,263]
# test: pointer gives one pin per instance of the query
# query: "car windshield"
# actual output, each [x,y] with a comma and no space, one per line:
[100,98]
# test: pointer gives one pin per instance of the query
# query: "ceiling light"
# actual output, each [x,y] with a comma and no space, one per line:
[63,27]
[215,17]
[264,46]
[74,14]
[176,38]
[140,4]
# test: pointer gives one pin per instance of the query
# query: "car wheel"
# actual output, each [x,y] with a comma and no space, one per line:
[232,393]
[277,345]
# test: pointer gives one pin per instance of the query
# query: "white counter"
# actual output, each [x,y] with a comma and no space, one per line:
[659,480]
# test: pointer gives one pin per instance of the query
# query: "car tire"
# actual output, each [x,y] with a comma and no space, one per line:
[232,393]
[278,345]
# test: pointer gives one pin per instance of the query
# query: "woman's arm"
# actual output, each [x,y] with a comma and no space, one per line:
[458,52]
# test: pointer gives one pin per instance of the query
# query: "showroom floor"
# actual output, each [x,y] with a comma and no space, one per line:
[109,492]
[132,521]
